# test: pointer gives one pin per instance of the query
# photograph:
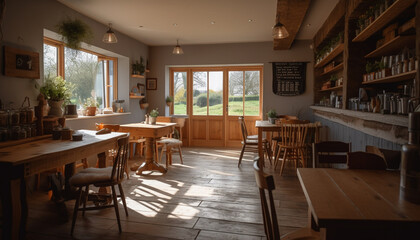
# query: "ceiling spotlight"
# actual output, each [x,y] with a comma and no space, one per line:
[177,49]
[212,22]
[250,20]
[109,36]
[174,24]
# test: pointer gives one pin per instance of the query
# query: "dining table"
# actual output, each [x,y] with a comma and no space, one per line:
[150,132]
[264,126]
[23,158]
[358,204]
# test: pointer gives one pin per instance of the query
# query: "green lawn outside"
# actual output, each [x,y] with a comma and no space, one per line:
[235,109]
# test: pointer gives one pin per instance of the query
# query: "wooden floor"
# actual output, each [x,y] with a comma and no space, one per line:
[208,197]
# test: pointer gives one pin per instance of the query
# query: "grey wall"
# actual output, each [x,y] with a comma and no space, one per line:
[23,26]
[233,54]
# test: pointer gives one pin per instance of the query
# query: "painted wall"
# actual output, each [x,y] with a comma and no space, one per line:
[161,58]
[23,27]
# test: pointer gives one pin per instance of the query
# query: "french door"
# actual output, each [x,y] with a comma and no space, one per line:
[214,98]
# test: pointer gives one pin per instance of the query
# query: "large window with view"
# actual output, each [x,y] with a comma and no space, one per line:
[93,75]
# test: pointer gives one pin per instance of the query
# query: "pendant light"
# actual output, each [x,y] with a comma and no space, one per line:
[177,49]
[279,30]
[109,36]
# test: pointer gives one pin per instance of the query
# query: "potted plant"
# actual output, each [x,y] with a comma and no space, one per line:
[333,80]
[90,106]
[73,32]
[143,103]
[141,66]
[153,115]
[272,116]
[56,91]
[169,101]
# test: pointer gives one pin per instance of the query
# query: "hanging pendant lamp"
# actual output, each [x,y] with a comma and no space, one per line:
[177,49]
[109,36]
[280,31]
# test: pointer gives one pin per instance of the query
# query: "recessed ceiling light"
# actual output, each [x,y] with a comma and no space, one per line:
[250,20]
[308,25]
[175,24]
[212,22]
[140,26]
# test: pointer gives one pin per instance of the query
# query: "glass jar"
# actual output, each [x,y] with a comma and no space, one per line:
[4,117]
[22,134]
[28,131]
[33,130]
[15,133]
[14,118]
[22,116]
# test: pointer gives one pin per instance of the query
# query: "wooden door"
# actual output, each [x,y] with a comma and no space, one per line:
[203,94]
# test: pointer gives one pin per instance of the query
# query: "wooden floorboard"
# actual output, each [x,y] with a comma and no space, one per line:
[208,197]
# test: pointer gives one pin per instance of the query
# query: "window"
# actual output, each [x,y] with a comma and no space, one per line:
[92,74]
[244,93]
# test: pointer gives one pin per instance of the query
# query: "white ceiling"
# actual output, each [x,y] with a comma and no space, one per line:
[190,21]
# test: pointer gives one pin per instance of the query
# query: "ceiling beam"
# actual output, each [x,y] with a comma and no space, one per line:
[291,14]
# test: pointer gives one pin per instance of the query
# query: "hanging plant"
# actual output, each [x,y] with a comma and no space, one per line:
[74,32]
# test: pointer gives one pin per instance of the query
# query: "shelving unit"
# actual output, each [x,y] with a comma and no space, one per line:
[335,69]
[387,16]
[337,50]
[136,97]
[393,79]
[332,89]
[137,76]
[393,46]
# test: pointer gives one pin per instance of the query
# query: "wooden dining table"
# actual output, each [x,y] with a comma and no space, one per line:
[264,126]
[20,159]
[359,204]
[150,132]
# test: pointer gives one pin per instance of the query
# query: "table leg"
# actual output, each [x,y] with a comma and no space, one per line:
[260,150]
[150,164]
[14,203]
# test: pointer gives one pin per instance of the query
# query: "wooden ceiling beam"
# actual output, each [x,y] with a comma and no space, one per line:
[291,14]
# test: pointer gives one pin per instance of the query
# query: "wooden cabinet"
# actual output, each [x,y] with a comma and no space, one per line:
[388,29]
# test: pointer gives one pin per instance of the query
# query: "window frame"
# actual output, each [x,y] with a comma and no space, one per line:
[61,69]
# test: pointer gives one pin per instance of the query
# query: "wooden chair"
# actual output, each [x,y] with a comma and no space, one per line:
[251,144]
[275,139]
[329,152]
[392,157]
[169,143]
[364,160]
[293,140]
[102,177]
[265,184]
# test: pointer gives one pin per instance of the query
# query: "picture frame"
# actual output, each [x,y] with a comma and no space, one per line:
[21,63]
[151,83]
[142,89]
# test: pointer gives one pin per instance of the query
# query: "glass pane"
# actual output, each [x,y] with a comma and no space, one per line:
[180,93]
[111,82]
[252,93]
[216,93]
[199,93]
[236,89]
[50,61]
[86,73]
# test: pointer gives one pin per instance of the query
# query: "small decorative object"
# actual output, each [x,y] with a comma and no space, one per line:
[118,105]
[66,133]
[74,32]
[141,88]
[90,105]
[143,103]
[77,137]
[56,133]
[272,115]
[151,83]
[153,115]
[20,63]
[56,90]
[134,91]
[169,101]
[70,111]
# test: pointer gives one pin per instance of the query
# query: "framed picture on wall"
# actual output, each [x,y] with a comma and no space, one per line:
[151,83]
[21,63]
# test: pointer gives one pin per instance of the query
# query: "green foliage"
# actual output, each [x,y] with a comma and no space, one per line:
[169,99]
[369,67]
[138,68]
[202,100]
[333,78]
[247,98]
[56,89]
[215,98]
[73,32]
[91,102]
[154,113]
[272,113]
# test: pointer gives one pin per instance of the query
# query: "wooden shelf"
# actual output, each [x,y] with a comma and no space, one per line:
[136,97]
[332,89]
[137,76]
[335,69]
[339,49]
[394,46]
[394,78]
[386,17]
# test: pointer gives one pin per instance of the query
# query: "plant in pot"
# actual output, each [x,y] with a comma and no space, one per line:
[272,116]
[74,32]
[143,103]
[169,101]
[90,106]
[56,90]
[153,115]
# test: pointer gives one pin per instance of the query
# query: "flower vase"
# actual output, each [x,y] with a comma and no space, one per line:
[55,108]
[152,120]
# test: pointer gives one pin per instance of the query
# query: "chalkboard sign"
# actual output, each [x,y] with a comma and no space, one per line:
[289,78]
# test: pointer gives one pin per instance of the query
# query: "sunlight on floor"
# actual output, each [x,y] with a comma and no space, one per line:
[214,155]
[221,173]
[199,191]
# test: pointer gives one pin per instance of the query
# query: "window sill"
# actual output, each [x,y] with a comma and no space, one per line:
[98,116]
